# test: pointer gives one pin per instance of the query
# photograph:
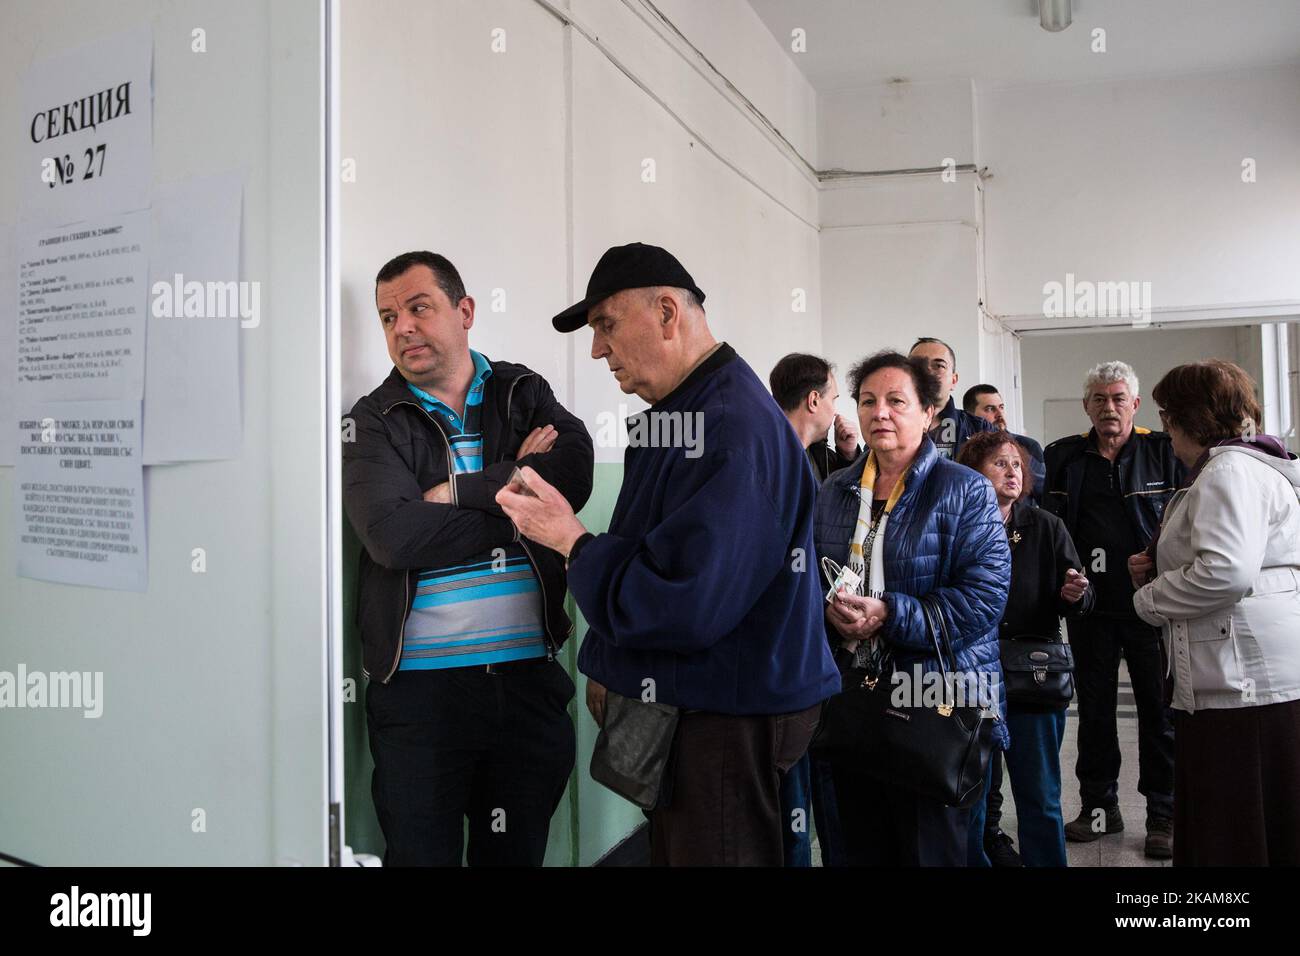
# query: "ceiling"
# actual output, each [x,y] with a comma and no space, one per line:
[856,43]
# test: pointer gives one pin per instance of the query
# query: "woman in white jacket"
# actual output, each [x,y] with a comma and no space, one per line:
[1225,587]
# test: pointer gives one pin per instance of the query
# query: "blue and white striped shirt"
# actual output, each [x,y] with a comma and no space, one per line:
[484,611]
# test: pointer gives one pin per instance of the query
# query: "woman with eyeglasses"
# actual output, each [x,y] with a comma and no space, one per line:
[1222,579]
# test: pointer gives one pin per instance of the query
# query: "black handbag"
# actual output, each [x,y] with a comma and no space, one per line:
[1037,672]
[631,755]
[940,753]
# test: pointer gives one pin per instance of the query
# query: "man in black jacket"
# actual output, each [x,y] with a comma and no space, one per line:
[805,388]
[460,617]
[1110,487]
[952,425]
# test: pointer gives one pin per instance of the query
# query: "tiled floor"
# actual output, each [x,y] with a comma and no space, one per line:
[1120,849]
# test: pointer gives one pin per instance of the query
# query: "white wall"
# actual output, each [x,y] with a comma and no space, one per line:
[1141,180]
[1137,180]
[214,684]
[900,253]
[897,126]
[524,166]
[1054,366]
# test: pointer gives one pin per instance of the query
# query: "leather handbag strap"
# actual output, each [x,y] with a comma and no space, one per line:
[939,630]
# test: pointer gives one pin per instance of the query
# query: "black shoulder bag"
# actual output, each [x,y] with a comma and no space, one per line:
[941,753]
[1038,672]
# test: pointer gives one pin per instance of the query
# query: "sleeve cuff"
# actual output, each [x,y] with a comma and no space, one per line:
[478,490]
[1144,603]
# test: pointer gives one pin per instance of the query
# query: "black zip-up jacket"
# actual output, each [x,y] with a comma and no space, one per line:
[1041,552]
[1149,474]
[398,452]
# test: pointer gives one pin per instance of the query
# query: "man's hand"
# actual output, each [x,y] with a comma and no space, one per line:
[596,694]
[846,437]
[1074,588]
[538,442]
[856,617]
[546,518]
[439,494]
[1140,567]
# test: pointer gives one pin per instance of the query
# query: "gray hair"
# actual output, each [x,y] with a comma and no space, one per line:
[691,303]
[1108,373]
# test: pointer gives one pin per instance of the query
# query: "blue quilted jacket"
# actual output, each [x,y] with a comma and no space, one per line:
[945,539]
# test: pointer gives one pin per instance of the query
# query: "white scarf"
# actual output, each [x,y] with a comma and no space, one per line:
[863,533]
[872,579]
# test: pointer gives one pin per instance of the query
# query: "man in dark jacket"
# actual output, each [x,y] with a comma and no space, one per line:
[460,617]
[704,593]
[804,386]
[952,425]
[1110,487]
[984,401]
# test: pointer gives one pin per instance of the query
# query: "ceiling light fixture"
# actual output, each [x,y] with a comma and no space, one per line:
[1054,15]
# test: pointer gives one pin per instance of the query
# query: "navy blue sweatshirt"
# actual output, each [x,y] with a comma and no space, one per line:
[707,582]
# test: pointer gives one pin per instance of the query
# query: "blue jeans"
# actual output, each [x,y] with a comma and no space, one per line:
[796,794]
[1034,765]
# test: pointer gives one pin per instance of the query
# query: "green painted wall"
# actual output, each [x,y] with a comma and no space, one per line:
[590,819]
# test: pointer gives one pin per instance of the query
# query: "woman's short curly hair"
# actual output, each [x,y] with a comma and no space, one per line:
[923,380]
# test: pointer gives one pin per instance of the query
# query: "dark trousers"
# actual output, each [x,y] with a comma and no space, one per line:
[496,748]
[1097,643]
[993,805]
[725,806]
[975,827]
[796,810]
[1238,777]
[826,814]
[885,825]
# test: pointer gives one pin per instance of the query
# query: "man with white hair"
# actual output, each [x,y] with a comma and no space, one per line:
[703,595]
[1110,486]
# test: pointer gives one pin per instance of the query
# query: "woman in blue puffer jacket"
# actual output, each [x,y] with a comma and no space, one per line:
[911,525]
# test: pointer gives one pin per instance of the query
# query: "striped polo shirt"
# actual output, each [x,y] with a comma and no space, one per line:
[486,610]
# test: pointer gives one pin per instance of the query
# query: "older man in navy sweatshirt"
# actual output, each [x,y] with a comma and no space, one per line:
[705,587]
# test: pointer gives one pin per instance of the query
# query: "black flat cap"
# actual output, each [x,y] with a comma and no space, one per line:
[634,266]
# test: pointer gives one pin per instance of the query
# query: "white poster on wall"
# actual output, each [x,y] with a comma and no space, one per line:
[197,306]
[79,494]
[86,130]
[8,342]
[82,294]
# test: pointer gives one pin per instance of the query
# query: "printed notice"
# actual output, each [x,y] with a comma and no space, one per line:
[86,130]
[79,494]
[81,310]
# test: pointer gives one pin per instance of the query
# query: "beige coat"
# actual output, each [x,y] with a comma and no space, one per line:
[1227,593]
